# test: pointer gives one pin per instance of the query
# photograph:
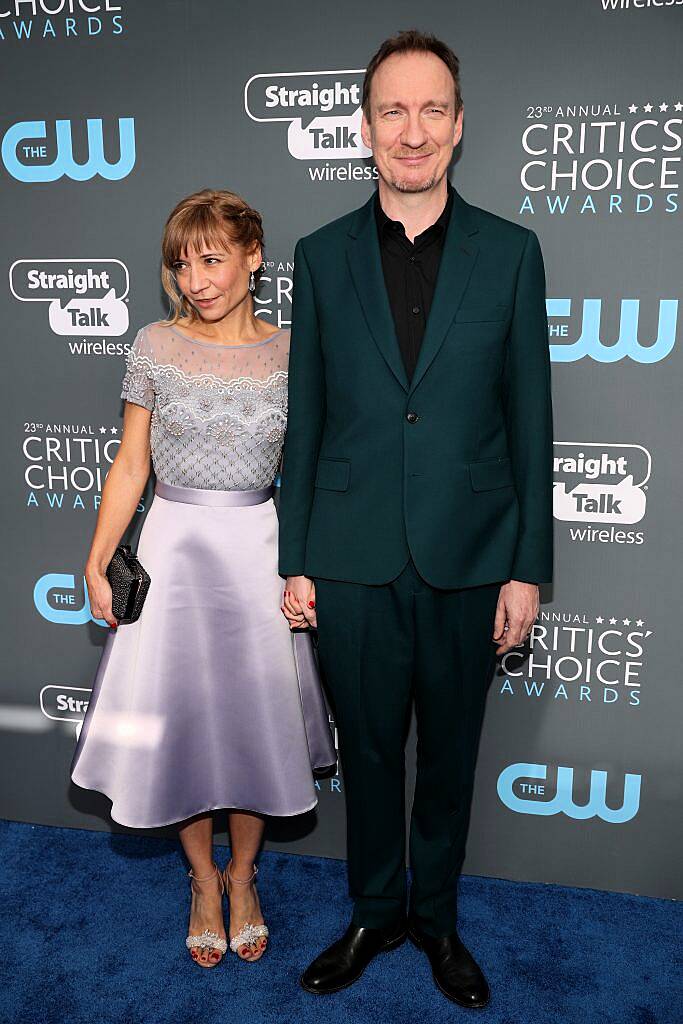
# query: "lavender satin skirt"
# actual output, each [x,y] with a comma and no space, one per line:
[208,700]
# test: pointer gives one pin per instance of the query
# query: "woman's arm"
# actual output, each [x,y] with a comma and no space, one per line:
[120,496]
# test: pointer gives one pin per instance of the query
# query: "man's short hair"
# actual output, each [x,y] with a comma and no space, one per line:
[412,41]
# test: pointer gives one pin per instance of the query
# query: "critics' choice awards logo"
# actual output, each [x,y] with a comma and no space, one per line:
[31,153]
[593,340]
[570,658]
[602,158]
[25,20]
[518,792]
[84,297]
[601,483]
[322,111]
[273,300]
[66,464]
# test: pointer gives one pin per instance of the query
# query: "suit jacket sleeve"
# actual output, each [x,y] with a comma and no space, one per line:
[306,417]
[528,413]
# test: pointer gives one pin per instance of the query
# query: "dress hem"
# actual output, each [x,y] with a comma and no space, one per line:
[193,814]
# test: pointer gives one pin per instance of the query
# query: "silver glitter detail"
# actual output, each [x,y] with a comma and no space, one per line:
[219,412]
[248,936]
[207,940]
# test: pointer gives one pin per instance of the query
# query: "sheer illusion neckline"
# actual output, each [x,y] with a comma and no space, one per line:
[226,344]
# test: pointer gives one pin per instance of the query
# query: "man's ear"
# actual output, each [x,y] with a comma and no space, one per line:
[365,132]
[457,131]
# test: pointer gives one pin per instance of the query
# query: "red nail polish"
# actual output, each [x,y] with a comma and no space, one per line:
[311,604]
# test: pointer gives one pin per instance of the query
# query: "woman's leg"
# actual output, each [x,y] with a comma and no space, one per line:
[246,835]
[206,910]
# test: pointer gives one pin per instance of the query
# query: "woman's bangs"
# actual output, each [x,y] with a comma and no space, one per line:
[199,229]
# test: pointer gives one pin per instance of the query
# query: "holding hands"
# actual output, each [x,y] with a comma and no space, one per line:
[298,605]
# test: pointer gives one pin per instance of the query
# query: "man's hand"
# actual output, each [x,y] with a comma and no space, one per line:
[298,605]
[515,614]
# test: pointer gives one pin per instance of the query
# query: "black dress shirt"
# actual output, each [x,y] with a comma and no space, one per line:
[410,271]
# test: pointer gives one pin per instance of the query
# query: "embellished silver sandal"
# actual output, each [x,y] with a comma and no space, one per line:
[250,932]
[208,939]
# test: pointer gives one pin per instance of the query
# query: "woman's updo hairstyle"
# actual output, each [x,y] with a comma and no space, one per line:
[212,217]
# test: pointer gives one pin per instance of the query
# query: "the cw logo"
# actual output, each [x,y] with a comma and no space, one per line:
[627,344]
[15,146]
[563,801]
[60,587]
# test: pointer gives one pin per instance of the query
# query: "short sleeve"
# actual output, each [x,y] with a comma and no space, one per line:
[138,381]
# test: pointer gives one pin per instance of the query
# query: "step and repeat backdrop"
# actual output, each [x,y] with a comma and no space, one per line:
[111,112]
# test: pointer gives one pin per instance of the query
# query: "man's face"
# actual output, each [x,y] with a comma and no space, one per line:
[412,129]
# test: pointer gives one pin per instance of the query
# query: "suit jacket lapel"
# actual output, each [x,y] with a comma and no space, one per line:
[365,264]
[457,262]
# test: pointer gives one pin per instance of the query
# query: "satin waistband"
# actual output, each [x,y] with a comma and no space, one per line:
[198,496]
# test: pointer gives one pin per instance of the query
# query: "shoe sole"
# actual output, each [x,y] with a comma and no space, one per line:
[389,948]
[467,1006]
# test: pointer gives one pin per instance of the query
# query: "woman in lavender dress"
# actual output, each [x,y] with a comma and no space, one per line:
[207,701]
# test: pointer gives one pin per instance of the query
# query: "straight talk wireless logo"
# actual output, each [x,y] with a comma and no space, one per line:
[86,300]
[602,489]
[322,111]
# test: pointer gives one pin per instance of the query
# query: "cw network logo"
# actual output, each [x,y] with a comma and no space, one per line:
[531,797]
[30,160]
[56,599]
[93,293]
[589,342]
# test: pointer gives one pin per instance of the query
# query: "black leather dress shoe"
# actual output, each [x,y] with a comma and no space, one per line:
[345,960]
[456,972]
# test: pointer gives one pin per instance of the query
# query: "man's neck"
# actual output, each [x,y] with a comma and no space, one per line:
[417,211]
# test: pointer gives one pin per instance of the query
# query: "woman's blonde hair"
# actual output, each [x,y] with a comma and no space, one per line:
[207,218]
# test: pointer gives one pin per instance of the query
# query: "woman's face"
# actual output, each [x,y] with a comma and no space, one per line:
[213,280]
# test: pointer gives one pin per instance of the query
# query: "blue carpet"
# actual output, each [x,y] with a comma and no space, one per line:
[93,929]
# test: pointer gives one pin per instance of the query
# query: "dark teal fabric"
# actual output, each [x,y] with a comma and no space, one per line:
[381,647]
[466,487]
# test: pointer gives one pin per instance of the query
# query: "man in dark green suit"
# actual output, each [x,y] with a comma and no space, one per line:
[415,511]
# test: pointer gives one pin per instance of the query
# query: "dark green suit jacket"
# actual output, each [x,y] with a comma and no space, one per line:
[454,468]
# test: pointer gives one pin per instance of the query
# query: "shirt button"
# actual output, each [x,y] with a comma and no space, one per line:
[412,417]
[412,259]
[416,310]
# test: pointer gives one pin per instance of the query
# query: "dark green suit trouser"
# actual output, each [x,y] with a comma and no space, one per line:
[380,646]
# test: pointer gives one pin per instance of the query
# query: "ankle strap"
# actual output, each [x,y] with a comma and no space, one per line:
[241,881]
[208,877]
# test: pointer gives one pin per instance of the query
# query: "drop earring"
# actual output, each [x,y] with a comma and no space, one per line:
[252,282]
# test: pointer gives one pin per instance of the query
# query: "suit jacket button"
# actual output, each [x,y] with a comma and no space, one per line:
[412,417]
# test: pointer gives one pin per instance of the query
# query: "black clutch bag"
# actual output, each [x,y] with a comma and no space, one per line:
[129,585]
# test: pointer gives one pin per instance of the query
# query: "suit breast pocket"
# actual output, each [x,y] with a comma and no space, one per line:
[333,474]
[481,313]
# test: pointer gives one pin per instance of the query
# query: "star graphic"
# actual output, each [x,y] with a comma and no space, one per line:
[639,622]
[627,622]
[114,430]
[103,430]
[663,106]
[632,109]
[648,108]
[678,106]
[612,622]
[599,619]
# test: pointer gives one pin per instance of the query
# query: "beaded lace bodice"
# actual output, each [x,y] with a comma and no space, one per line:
[219,412]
